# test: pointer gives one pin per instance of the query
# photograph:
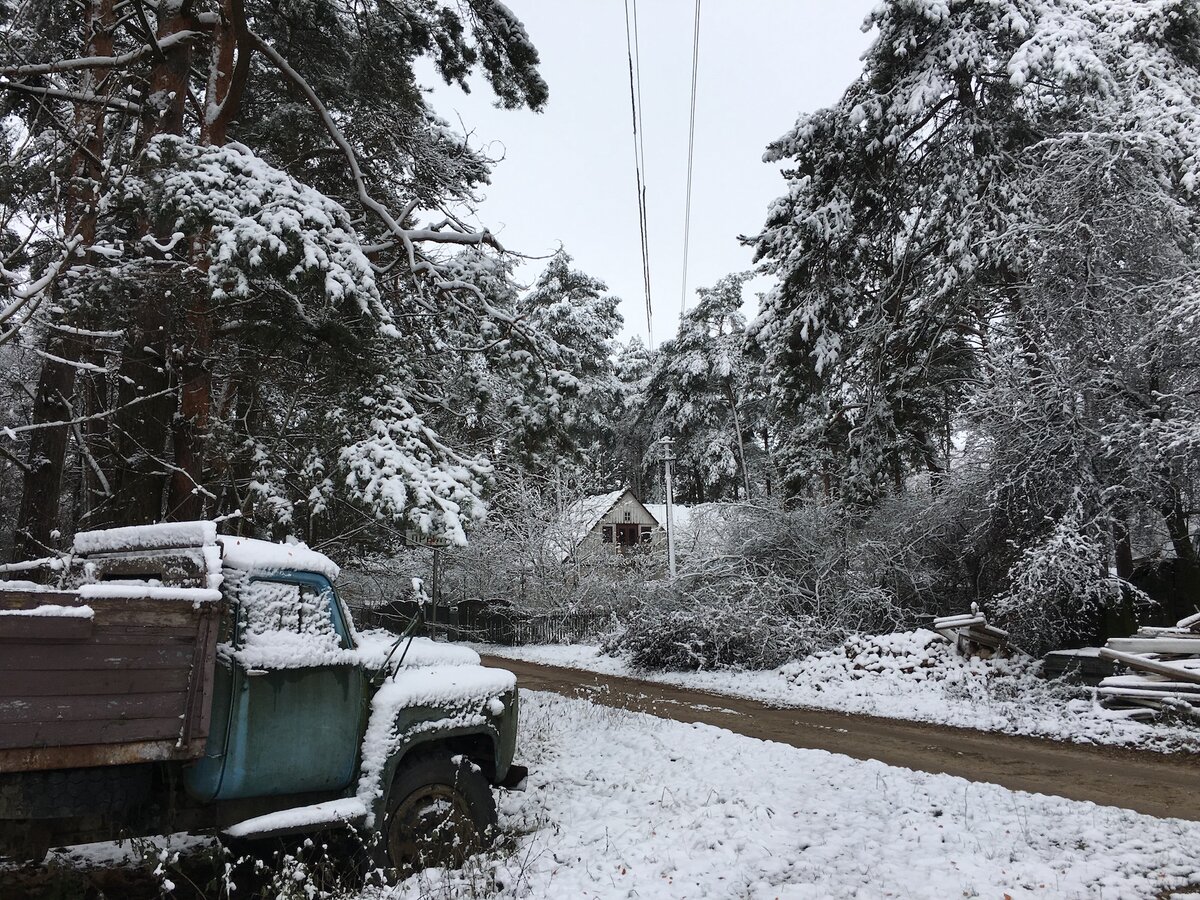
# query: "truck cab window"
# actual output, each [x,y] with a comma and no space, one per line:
[282,623]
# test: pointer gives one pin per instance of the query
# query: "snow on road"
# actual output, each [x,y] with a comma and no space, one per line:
[626,805]
[923,682]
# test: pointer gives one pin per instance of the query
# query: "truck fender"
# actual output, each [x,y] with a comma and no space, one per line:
[478,743]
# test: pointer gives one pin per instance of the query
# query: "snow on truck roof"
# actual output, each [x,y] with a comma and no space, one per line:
[253,555]
[248,554]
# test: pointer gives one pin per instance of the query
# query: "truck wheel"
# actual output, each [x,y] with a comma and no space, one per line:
[440,811]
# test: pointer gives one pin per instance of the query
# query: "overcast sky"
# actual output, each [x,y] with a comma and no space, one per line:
[568,174]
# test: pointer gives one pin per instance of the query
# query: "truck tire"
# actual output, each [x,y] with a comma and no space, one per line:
[440,811]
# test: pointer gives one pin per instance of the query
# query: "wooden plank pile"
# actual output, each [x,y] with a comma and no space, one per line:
[1163,671]
[972,635]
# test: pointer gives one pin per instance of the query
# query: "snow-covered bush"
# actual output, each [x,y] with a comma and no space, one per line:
[514,558]
[919,671]
[779,583]
[700,624]
[919,655]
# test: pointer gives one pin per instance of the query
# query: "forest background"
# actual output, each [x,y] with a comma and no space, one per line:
[234,285]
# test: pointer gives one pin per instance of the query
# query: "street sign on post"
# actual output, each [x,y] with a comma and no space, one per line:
[416,539]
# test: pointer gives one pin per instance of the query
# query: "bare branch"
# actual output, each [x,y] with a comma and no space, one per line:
[20,429]
[408,238]
[98,62]
[72,96]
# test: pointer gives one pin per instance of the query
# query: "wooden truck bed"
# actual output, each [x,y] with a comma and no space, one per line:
[131,683]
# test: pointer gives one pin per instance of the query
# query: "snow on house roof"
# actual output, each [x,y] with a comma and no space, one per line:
[569,529]
[680,515]
[253,555]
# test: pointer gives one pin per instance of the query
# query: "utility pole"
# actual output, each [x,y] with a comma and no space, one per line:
[668,458]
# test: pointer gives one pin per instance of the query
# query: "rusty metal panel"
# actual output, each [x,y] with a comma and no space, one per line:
[29,759]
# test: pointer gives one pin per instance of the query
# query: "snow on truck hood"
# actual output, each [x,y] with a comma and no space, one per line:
[284,650]
[375,644]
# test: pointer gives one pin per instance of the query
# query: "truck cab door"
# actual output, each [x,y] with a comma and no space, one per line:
[295,691]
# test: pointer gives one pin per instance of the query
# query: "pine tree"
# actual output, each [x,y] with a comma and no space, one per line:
[699,390]
[577,321]
[633,432]
[212,266]
[978,243]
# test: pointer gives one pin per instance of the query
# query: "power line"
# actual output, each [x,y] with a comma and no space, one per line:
[639,155]
[645,222]
[687,214]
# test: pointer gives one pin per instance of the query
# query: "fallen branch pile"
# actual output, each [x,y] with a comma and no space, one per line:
[1163,671]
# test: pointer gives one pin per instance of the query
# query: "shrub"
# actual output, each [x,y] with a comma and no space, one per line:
[697,624]
[789,582]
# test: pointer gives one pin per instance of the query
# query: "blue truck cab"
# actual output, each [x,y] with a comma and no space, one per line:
[295,720]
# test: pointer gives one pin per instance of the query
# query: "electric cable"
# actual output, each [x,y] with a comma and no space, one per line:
[687,213]
[639,155]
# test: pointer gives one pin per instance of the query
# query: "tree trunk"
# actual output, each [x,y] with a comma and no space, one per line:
[1120,619]
[737,427]
[38,516]
[140,432]
[766,436]
[186,498]
[140,441]
[1177,526]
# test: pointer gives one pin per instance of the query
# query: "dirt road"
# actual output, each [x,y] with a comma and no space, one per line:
[1152,783]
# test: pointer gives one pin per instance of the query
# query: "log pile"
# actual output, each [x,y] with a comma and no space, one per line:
[1162,671]
[972,635]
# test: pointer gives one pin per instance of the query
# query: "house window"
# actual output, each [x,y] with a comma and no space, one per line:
[608,534]
[646,534]
[628,516]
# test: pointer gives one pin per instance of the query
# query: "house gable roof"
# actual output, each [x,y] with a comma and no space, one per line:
[578,520]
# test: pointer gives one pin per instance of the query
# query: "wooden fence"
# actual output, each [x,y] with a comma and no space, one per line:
[488,623]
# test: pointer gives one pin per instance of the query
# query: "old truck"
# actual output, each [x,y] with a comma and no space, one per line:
[181,680]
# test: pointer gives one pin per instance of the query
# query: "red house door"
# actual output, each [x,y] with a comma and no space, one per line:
[627,534]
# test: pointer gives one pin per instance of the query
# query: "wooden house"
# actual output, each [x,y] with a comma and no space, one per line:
[604,523]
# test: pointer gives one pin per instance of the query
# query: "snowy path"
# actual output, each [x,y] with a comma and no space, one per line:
[1151,783]
[976,694]
[626,805]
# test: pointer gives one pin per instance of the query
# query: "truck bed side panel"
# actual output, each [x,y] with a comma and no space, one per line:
[132,683]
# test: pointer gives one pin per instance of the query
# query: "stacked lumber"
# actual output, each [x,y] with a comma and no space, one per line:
[1162,671]
[971,634]
[1085,665]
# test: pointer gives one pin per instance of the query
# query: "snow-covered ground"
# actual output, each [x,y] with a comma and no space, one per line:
[911,675]
[627,805]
